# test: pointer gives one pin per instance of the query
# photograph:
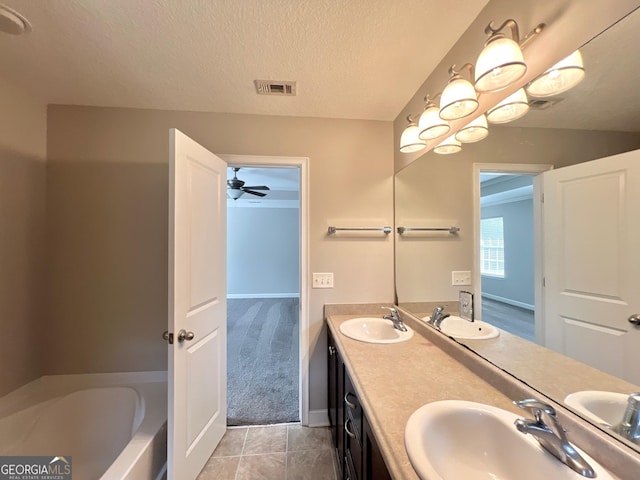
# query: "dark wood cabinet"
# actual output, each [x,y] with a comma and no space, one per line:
[335,400]
[357,451]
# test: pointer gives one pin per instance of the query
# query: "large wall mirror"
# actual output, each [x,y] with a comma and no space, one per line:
[598,118]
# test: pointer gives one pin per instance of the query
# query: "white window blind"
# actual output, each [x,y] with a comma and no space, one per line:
[492,247]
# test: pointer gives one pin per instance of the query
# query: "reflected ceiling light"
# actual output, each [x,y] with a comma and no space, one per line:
[448,146]
[234,193]
[430,125]
[564,75]
[459,98]
[409,140]
[474,131]
[511,108]
[501,62]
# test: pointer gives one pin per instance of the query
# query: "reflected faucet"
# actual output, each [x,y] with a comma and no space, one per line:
[552,437]
[437,316]
[394,316]
[629,427]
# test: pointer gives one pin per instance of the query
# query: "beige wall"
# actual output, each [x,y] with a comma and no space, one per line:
[107,224]
[22,191]
[441,187]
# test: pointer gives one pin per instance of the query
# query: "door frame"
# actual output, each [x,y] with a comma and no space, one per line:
[520,169]
[304,352]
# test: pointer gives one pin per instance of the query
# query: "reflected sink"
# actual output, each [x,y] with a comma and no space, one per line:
[458,327]
[605,408]
[455,439]
[374,330]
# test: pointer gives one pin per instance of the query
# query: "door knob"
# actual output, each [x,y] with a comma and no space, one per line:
[168,336]
[184,335]
[635,319]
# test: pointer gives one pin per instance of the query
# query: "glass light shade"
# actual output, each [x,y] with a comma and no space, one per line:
[448,146]
[499,65]
[431,125]
[564,75]
[511,108]
[458,100]
[410,141]
[474,131]
[234,193]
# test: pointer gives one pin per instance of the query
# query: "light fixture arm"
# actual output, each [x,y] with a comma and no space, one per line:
[429,102]
[515,32]
[511,23]
[454,74]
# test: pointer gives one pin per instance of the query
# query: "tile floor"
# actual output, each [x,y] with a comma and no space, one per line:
[279,452]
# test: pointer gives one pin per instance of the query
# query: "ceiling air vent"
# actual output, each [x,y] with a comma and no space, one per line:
[268,87]
[540,104]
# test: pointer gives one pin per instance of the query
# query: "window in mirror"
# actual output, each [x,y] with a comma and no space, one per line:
[492,247]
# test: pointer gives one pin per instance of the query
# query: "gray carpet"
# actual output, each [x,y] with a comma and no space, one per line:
[262,361]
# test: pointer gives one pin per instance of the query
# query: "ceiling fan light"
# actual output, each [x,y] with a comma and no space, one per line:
[448,146]
[564,75]
[474,131]
[234,193]
[499,65]
[511,108]
[410,141]
[458,99]
[430,125]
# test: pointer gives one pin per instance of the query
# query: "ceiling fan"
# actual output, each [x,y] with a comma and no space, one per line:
[236,188]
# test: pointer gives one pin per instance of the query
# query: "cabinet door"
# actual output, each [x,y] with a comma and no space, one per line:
[374,466]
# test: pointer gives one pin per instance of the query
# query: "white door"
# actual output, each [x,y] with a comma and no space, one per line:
[197,306]
[591,235]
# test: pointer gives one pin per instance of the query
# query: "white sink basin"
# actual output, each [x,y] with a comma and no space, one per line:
[455,439]
[605,408]
[374,330]
[458,327]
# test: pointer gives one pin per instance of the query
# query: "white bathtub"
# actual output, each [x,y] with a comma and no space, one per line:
[112,425]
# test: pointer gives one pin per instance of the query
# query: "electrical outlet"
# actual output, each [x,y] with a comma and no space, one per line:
[322,280]
[461,278]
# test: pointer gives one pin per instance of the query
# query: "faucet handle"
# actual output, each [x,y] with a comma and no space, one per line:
[536,407]
[393,310]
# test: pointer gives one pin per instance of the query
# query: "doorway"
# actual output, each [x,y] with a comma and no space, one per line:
[266,293]
[505,246]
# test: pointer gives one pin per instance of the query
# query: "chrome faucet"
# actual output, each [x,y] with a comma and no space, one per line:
[629,427]
[552,437]
[394,316]
[437,316]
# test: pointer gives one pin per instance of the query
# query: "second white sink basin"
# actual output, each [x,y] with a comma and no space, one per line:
[458,327]
[374,330]
[605,408]
[455,439]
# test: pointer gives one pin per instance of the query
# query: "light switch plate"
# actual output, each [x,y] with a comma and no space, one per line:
[461,278]
[322,280]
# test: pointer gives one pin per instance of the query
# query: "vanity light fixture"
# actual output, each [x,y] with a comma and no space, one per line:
[430,124]
[564,75]
[448,145]
[409,140]
[501,62]
[459,99]
[474,131]
[511,108]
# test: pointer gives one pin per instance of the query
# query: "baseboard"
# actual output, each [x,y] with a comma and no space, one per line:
[318,418]
[508,301]
[263,295]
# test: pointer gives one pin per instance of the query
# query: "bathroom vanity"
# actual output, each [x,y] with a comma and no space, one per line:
[375,388]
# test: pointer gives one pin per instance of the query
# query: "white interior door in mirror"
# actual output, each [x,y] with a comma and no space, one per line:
[197,304]
[591,235]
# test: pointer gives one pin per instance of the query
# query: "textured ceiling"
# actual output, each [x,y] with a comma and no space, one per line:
[351,59]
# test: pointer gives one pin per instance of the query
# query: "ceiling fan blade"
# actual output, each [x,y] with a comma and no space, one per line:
[259,194]
[258,187]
